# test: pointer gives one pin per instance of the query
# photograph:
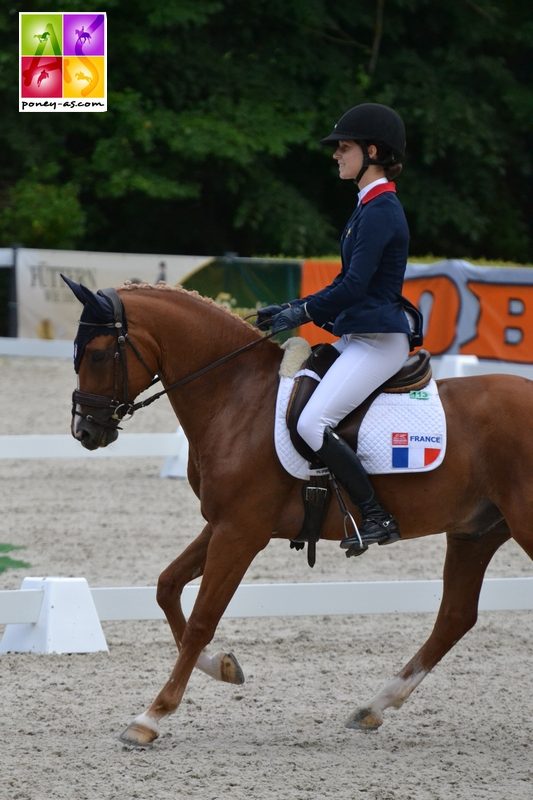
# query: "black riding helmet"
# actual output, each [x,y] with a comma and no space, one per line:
[371,123]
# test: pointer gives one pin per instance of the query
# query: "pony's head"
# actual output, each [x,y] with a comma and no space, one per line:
[106,389]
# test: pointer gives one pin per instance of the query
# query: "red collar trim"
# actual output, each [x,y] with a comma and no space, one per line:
[381,188]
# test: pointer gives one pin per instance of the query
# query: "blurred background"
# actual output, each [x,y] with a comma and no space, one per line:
[216,107]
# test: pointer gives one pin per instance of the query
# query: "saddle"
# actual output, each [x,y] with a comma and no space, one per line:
[414,375]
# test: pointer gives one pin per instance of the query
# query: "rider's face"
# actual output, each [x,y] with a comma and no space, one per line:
[349,158]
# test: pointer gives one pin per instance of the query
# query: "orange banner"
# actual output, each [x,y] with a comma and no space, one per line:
[482,311]
[316,275]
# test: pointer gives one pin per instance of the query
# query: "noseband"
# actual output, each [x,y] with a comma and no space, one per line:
[120,405]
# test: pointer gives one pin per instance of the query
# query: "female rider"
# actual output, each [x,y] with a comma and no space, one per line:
[363,305]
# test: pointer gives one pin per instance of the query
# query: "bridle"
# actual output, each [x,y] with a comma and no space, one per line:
[120,405]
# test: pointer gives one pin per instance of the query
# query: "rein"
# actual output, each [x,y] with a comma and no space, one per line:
[199,372]
[124,407]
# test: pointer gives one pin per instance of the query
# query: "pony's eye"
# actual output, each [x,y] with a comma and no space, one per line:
[98,355]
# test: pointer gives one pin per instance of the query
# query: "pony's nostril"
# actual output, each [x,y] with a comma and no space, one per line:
[87,438]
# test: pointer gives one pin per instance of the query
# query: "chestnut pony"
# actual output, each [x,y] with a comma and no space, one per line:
[481,495]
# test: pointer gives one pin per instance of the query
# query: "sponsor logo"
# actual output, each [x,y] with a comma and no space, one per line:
[400,439]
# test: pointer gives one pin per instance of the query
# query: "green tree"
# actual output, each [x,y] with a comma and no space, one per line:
[216,108]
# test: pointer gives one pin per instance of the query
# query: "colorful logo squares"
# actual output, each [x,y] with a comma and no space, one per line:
[63,61]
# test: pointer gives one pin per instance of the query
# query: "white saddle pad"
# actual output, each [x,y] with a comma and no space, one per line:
[399,433]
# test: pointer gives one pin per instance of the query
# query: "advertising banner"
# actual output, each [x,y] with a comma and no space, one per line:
[46,307]
[481,311]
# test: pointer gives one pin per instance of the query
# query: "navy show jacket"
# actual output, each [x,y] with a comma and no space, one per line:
[366,296]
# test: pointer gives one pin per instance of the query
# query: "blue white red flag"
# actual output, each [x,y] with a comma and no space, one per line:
[412,450]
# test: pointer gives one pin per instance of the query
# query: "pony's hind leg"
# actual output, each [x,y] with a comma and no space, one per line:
[188,566]
[229,555]
[466,561]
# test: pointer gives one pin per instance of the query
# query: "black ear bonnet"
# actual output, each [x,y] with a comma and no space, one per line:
[97,318]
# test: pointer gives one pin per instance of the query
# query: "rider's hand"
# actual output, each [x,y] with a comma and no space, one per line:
[265,315]
[289,318]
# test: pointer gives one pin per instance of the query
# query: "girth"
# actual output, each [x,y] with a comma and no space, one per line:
[414,375]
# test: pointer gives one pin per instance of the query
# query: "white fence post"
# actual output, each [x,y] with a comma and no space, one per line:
[455,366]
[68,621]
[175,466]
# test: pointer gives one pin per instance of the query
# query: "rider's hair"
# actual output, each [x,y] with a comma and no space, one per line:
[389,161]
[393,171]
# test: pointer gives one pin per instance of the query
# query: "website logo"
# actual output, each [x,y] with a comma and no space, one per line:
[63,61]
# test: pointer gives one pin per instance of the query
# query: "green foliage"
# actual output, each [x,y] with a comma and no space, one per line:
[42,214]
[216,108]
[6,562]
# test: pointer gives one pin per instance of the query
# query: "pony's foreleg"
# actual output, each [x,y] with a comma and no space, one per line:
[228,557]
[464,568]
[189,565]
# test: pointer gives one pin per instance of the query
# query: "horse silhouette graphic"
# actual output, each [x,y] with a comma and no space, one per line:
[81,76]
[83,35]
[43,37]
[44,74]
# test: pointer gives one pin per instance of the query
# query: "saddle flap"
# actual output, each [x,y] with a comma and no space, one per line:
[305,382]
[414,375]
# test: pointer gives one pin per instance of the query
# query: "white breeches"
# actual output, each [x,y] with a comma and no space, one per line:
[365,362]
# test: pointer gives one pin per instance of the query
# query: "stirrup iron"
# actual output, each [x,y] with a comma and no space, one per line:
[353,548]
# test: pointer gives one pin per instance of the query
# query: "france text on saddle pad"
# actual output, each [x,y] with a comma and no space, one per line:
[399,433]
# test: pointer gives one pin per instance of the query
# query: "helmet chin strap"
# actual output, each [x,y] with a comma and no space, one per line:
[365,165]
[367,162]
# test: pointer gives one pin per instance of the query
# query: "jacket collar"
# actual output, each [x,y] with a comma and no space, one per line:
[375,191]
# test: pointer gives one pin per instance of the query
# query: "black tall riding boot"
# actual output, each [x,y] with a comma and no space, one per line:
[378,525]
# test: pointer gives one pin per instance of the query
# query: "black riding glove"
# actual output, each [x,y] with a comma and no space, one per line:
[264,316]
[289,318]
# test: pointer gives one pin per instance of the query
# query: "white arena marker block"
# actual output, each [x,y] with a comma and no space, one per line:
[175,466]
[68,621]
[457,366]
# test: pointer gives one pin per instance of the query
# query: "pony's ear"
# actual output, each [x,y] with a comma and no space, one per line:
[80,291]
[97,303]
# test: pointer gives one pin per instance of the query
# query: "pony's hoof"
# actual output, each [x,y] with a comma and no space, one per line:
[364,719]
[138,735]
[230,669]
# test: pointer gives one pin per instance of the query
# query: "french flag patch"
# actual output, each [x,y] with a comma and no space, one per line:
[414,451]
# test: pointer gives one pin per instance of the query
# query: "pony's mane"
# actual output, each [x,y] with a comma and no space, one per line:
[166,287]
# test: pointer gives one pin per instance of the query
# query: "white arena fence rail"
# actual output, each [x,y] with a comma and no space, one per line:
[65,446]
[36,348]
[173,446]
[63,615]
[446,366]
[143,445]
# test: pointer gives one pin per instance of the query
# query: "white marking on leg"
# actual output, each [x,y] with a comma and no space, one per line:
[396,692]
[147,721]
[210,664]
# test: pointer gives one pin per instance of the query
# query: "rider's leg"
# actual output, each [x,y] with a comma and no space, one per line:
[377,525]
[364,364]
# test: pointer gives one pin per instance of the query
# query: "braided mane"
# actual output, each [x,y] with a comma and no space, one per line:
[166,287]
